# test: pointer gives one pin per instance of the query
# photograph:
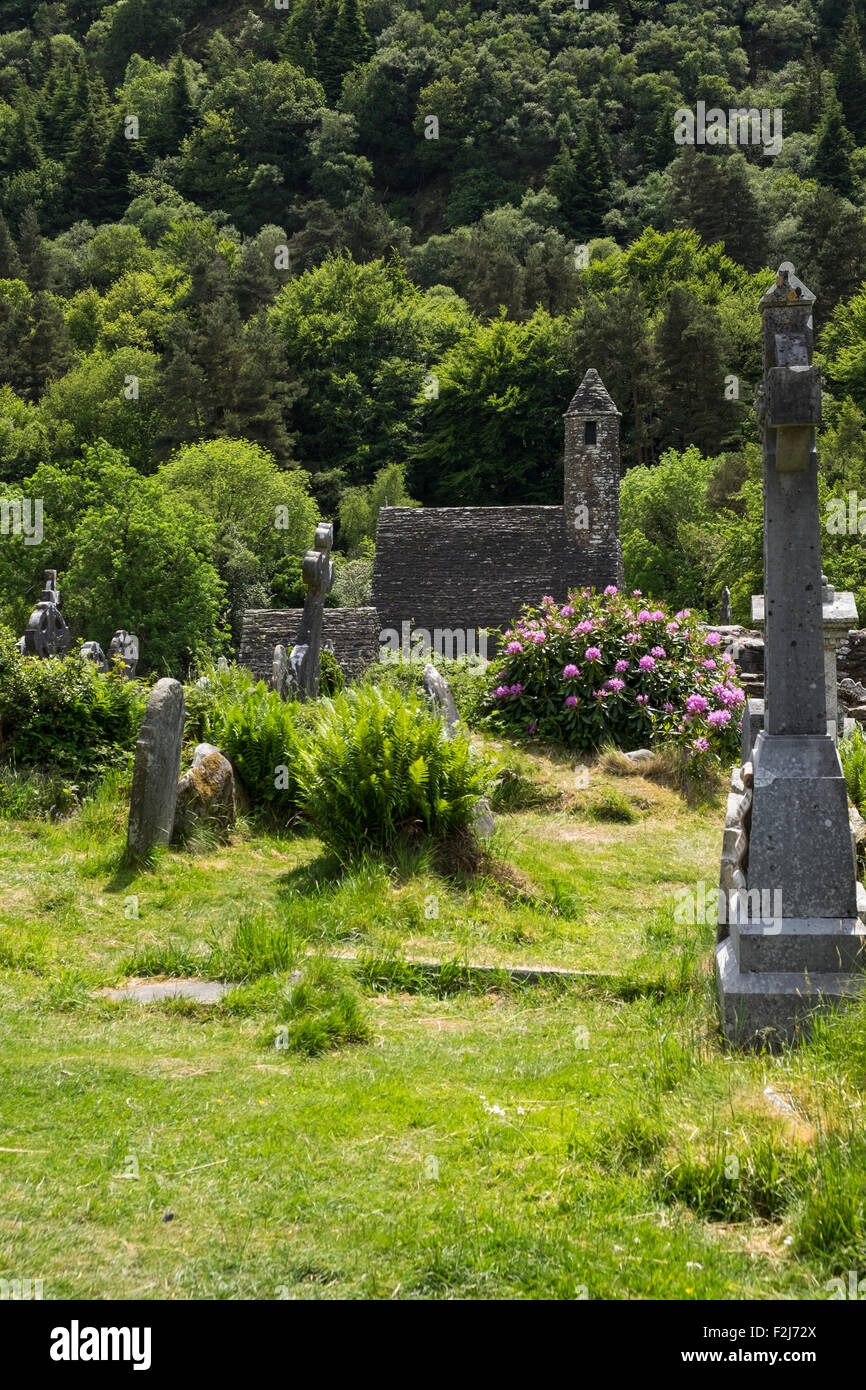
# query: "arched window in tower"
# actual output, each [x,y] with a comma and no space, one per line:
[589,432]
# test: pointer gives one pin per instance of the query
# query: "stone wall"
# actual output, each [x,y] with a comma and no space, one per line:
[353,633]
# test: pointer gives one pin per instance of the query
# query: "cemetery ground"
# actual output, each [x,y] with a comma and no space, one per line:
[421,1134]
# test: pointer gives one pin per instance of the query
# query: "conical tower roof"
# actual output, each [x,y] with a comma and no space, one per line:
[591,397]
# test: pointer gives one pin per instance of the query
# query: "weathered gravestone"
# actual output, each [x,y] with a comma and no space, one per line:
[438,692]
[280,675]
[156,770]
[794,935]
[124,647]
[725,611]
[91,651]
[206,794]
[47,633]
[318,575]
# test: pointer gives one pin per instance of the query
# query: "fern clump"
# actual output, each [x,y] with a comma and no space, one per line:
[381,767]
[256,731]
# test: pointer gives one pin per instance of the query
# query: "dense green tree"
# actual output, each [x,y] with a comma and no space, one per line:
[832,163]
[851,77]
[690,348]
[713,194]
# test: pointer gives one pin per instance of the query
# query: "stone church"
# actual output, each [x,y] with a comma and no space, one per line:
[456,570]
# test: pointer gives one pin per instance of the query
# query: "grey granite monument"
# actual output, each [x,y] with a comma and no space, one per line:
[280,674]
[47,633]
[157,766]
[793,940]
[725,610]
[318,574]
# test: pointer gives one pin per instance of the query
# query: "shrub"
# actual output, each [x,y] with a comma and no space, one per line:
[603,669]
[62,713]
[466,677]
[256,731]
[852,752]
[381,766]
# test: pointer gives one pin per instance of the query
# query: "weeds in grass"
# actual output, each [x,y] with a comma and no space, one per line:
[611,805]
[384,974]
[321,1012]
[728,1184]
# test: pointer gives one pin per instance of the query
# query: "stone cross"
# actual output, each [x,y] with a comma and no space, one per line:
[47,633]
[318,574]
[156,769]
[794,933]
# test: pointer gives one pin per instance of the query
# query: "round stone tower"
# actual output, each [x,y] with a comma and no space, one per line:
[592,473]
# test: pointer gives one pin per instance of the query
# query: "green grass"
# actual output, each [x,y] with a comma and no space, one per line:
[347,1123]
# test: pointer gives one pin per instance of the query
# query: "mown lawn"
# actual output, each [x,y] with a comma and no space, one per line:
[589,1138]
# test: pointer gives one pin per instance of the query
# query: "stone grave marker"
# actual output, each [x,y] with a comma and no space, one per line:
[318,574]
[794,934]
[281,675]
[125,646]
[438,692]
[156,769]
[47,633]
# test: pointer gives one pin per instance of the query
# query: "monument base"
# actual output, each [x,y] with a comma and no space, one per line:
[767,1008]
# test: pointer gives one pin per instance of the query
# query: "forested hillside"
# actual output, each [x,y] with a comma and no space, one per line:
[335,253]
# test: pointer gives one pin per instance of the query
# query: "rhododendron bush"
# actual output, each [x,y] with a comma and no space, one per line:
[605,668]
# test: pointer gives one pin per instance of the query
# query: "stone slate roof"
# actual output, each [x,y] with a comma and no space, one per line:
[591,397]
[468,567]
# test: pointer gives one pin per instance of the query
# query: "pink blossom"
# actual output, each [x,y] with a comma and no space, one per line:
[592,654]
[719,716]
[700,745]
[683,613]
[516,689]
[643,616]
[570,671]
[586,626]
[632,636]
[672,628]
[668,708]
[514,647]
[501,691]
[538,638]
[646,663]
[567,611]
[610,590]
[615,684]
[547,598]
[708,665]
[657,616]
[621,666]
[642,699]
[697,704]
[712,639]
[571,701]
[637,593]
[659,652]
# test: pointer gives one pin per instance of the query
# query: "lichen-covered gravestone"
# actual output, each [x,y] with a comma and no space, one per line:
[206,794]
[794,937]
[91,651]
[318,574]
[157,766]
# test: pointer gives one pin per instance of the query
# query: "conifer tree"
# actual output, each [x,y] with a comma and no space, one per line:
[851,77]
[33,252]
[10,262]
[832,162]
[181,103]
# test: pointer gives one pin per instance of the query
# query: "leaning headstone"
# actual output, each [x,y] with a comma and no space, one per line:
[725,612]
[124,647]
[47,633]
[91,651]
[795,935]
[280,674]
[206,794]
[318,575]
[438,692]
[156,770]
